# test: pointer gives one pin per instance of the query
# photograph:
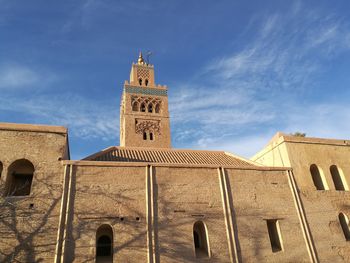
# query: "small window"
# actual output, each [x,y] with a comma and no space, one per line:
[146,82]
[145,135]
[1,167]
[157,108]
[200,239]
[274,234]
[318,178]
[344,223]
[143,107]
[151,136]
[20,177]
[135,106]
[104,244]
[140,81]
[150,107]
[339,181]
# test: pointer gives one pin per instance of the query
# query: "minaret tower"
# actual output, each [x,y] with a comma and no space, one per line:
[144,115]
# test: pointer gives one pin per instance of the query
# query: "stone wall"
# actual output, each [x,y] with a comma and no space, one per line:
[28,224]
[152,210]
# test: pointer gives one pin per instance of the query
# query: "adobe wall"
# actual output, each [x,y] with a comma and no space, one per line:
[258,196]
[113,196]
[168,201]
[28,224]
[323,206]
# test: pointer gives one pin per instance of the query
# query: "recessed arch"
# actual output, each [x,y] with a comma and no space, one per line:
[318,177]
[19,178]
[151,136]
[146,82]
[143,107]
[140,81]
[145,135]
[150,107]
[135,106]
[338,177]
[201,240]
[157,108]
[104,244]
[344,223]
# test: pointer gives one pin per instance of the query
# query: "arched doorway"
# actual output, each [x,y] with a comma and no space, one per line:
[104,244]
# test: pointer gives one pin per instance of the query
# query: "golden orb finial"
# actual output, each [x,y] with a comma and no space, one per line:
[140,60]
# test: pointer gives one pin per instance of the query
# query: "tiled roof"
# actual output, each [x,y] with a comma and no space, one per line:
[168,156]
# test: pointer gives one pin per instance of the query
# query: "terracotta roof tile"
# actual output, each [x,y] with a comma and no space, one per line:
[170,156]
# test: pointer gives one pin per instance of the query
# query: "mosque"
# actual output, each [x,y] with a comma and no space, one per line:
[144,201]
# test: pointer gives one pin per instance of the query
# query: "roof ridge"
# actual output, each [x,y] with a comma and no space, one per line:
[169,156]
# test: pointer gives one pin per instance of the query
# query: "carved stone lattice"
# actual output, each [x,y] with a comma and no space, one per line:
[146,100]
[142,126]
[142,73]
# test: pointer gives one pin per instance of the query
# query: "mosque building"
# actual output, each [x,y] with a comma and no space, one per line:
[144,201]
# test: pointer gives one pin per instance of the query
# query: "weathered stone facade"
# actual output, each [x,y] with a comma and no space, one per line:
[146,202]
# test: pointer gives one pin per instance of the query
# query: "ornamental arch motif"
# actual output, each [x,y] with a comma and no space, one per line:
[149,104]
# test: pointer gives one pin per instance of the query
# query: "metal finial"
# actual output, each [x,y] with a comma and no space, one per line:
[140,60]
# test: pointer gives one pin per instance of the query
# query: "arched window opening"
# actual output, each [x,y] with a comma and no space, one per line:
[104,244]
[157,108]
[200,240]
[339,181]
[146,82]
[150,107]
[145,135]
[318,178]
[274,235]
[344,222]
[140,81]
[20,177]
[151,136]
[143,107]
[135,106]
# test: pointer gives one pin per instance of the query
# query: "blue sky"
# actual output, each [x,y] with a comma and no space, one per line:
[237,71]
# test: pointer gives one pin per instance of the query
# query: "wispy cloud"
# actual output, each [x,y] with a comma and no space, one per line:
[262,87]
[85,118]
[16,76]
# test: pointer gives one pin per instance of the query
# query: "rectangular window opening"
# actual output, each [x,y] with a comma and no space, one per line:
[274,234]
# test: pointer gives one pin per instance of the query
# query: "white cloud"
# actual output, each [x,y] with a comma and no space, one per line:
[260,88]
[17,77]
[85,118]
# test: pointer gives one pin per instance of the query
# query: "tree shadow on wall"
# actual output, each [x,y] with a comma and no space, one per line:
[23,219]
[88,220]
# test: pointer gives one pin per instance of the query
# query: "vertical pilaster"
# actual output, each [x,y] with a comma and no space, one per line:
[302,218]
[150,196]
[66,256]
[226,197]
[62,217]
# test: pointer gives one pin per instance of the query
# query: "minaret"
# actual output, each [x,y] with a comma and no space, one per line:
[144,115]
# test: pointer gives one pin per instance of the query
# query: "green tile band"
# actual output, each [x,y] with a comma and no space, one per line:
[146,91]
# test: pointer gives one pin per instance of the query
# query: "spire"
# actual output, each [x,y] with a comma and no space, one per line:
[140,60]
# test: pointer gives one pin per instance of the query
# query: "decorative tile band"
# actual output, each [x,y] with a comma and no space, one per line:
[146,91]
